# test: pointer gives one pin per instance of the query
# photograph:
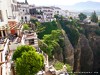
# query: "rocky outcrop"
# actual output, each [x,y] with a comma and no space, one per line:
[77,57]
[86,58]
[68,50]
[83,56]
[95,45]
[58,54]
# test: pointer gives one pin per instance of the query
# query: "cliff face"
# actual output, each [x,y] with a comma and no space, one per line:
[95,45]
[68,50]
[86,57]
[83,56]
[77,57]
[87,51]
[58,54]
[94,41]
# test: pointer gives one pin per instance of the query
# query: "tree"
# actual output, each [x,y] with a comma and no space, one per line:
[27,60]
[20,49]
[49,26]
[51,42]
[39,27]
[25,27]
[82,16]
[34,21]
[94,17]
[29,63]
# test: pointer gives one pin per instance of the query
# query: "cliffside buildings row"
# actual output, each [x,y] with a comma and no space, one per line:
[12,13]
[46,14]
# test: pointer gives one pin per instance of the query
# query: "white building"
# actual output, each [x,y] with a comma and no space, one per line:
[46,12]
[24,11]
[56,10]
[3,13]
[12,9]
[8,13]
[73,14]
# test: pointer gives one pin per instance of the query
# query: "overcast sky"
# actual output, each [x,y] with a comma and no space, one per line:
[55,2]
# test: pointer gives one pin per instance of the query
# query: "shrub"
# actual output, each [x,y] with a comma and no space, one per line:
[25,27]
[49,26]
[69,69]
[58,65]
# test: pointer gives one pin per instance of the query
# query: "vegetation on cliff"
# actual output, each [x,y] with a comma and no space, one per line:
[61,40]
[94,17]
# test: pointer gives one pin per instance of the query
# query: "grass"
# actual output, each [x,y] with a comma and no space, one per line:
[58,65]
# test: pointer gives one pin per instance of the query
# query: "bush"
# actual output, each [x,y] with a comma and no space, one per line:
[69,69]
[25,27]
[58,65]
[49,26]
[34,21]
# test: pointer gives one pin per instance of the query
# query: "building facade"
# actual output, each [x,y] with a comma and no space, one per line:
[8,15]
[23,8]
[46,13]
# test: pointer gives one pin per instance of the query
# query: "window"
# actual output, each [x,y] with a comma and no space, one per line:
[39,17]
[22,18]
[25,17]
[31,41]
[57,11]
[1,19]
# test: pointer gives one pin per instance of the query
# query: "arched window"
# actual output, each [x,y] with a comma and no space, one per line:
[25,17]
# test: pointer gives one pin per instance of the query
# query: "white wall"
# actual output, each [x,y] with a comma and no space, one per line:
[9,9]
[24,12]
[4,69]
[28,18]
[3,8]
[48,13]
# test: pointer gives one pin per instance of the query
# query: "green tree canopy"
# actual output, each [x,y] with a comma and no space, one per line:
[51,42]
[38,26]
[27,60]
[24,48]
[29,63]
[82,16]
[94,17]
[25,27]
[49,26]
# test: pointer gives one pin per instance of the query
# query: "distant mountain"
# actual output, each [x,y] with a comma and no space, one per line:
[84,6]
[88,5]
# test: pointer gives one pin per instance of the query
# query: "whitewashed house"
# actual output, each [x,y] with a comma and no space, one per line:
[46,13]
[23,8]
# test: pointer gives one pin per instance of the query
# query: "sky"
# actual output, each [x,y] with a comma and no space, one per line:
[55,2]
